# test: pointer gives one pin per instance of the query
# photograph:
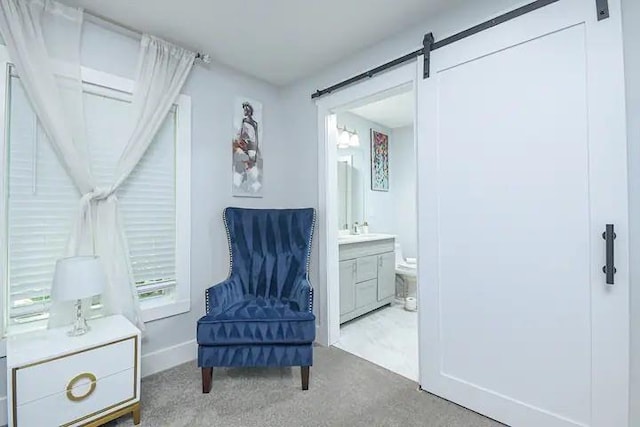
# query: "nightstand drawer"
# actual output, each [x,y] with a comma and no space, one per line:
[56,410]
[47,378]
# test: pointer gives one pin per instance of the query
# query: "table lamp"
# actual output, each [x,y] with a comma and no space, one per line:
[77,278]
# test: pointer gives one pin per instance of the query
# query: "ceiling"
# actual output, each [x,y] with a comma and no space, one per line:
[279,41]
[392,112]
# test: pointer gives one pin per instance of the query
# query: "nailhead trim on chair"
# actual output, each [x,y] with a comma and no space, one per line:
[226,229]
[313,226]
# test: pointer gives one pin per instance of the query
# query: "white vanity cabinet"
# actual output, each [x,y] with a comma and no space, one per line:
[367,274]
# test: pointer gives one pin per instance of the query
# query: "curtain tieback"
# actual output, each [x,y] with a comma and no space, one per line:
[98,194]
[85,209]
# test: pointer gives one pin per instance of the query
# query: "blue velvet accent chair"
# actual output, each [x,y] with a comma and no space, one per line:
[262,315]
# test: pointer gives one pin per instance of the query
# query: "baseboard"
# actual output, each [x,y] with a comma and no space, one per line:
[169,357]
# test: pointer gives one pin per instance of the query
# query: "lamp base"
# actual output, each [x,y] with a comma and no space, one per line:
[80,326]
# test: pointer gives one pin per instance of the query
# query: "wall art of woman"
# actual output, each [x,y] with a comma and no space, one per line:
[247,159]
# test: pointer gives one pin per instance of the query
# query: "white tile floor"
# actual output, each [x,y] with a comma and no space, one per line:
[387,337]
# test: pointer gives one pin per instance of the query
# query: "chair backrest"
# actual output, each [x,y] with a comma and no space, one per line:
[269,248]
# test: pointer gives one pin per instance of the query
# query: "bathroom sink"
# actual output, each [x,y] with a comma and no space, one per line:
[357,238]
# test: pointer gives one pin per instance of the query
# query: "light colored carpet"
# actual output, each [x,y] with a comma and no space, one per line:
[344,391]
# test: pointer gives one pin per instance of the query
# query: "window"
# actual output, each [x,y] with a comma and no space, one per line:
[41,200]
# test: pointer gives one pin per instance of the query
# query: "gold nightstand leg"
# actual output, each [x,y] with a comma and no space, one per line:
[136,414]
[133,409]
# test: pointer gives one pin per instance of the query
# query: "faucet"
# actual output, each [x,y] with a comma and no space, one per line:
[356,228]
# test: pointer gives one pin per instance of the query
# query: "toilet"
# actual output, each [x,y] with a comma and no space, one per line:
[406,280]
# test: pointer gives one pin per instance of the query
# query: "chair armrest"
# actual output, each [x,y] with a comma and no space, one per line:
[302,293]
[222,295]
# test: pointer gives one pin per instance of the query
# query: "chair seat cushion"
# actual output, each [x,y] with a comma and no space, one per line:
[257,320]
[263,355]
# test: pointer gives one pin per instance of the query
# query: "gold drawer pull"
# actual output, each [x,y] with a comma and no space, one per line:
[73,383]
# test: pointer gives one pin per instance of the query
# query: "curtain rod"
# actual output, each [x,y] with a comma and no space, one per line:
[103,21]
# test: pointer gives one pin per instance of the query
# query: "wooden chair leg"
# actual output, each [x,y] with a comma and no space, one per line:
[304,374]
[207,374]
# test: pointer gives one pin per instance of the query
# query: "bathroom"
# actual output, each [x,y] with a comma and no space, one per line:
[377,235]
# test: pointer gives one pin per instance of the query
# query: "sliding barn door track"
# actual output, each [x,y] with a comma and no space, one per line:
[429,44]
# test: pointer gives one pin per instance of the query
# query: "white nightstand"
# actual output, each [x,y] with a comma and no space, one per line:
[57,380]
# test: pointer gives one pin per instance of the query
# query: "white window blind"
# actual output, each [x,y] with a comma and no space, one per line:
[43,200]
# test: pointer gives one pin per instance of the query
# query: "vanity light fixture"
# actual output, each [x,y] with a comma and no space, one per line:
[355,140]
[347,138]
[343,139]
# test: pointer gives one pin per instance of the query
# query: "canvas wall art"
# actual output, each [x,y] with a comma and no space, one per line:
[247,148]
[379,161]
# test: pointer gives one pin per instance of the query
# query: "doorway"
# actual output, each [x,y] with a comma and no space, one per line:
[337,214]
[377,236]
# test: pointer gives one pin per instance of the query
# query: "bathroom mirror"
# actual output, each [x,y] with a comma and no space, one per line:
[345,190]
[350,190]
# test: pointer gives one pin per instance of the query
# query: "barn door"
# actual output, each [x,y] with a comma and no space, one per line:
[522,150]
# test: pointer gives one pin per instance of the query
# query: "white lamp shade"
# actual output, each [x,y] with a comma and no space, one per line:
[77,278]
[355,140]
[343,140]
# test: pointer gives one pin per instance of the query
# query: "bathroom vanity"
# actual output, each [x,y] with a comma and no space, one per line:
[367,273]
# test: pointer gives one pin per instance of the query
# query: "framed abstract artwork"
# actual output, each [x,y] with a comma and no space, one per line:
[247,148]
[379,161]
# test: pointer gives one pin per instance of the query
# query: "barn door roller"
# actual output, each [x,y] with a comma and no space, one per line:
[603,9]
[427,47]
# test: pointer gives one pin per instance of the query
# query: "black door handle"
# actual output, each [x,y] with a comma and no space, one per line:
[609,269]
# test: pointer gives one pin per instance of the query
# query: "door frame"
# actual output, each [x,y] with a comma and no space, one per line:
[328,324]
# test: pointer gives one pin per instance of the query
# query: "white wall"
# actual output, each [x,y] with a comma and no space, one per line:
[631,34]
[403,165]
[300,111]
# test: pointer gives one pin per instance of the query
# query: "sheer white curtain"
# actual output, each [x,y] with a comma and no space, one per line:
[43,39]
[162,71]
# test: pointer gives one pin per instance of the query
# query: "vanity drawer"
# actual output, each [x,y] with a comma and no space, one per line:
[59,409]
[366,268]
[366,293]
[47,378]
